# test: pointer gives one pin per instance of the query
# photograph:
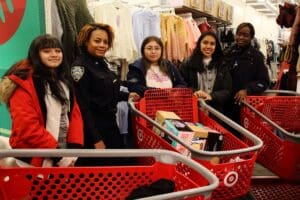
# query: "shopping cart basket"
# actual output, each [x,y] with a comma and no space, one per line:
[111,182]
[276,120]
[234,177]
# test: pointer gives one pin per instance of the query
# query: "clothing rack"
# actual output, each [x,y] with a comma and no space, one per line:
[163,10]
[185,15]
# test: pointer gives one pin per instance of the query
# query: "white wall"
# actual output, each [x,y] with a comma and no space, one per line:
[265,27]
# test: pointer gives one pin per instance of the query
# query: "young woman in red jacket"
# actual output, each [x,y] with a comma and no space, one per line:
[38,92]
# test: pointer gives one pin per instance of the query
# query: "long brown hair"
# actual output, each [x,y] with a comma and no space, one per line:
[161,61]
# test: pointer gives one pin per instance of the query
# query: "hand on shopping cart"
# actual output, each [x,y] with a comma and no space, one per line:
[240,96]
[203,95]
[67,162]
[100,145]
[134,96]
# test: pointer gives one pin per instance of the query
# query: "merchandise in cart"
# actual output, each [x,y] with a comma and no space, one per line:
[276,120]
[234,176]
[109,182]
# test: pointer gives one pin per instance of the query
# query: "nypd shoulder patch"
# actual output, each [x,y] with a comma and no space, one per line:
[77,72]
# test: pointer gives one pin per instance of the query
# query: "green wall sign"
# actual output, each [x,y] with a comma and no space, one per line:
[20,22]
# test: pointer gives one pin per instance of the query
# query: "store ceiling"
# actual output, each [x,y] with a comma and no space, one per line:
[268,7]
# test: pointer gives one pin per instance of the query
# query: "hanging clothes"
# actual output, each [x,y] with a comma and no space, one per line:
[73,15]
[145,23]
[294,37]
[119,17]
[174,37]
[193,32]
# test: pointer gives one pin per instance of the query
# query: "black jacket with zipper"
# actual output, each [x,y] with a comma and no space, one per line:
[222,86]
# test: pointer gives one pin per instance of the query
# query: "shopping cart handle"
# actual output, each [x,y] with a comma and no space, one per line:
[287,92]
[162,156]
[258,143]
[201,154]
[288,135]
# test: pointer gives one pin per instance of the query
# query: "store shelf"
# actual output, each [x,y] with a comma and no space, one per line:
[197,14]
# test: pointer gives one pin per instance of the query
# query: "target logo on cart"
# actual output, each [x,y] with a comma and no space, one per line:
[140,134]
[231,178]
[246,122]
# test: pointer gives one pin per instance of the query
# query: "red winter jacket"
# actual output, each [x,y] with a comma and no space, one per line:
[28,125]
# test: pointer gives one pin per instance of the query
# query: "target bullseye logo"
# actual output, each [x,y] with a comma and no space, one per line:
[140,134]
[231,178]
[11,15]
[246,122]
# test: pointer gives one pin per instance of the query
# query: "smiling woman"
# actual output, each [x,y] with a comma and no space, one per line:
[206,73]
[152,71]
[51,57]
[40,99]
[98,91]
[247,68]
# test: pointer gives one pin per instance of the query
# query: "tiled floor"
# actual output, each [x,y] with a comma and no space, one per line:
[267,186]
[260,170]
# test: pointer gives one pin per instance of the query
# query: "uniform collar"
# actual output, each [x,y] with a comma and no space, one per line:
[95,60]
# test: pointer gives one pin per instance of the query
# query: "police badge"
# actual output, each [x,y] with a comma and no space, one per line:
[77,72]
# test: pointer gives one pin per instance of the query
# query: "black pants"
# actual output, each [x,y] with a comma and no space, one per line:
[107,126]
[232,111]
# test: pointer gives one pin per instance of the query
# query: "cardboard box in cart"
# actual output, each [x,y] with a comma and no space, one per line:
[181,130]
[214,139]
[195,134]
[161,117]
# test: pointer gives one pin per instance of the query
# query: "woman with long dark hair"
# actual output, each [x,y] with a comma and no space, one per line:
[151,70]
[206,73]
[40,98]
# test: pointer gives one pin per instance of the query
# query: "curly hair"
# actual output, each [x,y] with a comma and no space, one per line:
[86,31]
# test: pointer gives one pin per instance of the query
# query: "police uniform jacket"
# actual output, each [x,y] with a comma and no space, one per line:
[98,92]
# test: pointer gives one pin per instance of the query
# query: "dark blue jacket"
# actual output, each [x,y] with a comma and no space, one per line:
[137,73]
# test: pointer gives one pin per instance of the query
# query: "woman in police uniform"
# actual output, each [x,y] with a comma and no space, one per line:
[97,90]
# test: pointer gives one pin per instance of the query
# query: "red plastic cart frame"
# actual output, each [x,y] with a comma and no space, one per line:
[269,115]
[234,177]
[111,182]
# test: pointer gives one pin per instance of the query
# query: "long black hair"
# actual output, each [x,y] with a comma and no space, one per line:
[196,59]
[43,75]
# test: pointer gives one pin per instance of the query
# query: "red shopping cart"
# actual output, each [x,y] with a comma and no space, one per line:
[234,177]
[112,182]
[276,120]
